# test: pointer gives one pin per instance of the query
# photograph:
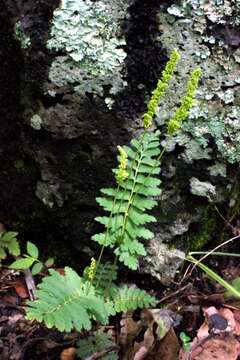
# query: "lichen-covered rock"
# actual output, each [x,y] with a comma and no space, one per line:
[84,73]
[208,145]
[208,36]
[161,262]
[201,188]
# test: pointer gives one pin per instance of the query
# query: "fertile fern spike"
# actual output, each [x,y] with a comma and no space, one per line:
[129,298]
[128,203]
[63,303]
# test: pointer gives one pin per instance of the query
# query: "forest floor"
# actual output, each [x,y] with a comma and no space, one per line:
[194,320]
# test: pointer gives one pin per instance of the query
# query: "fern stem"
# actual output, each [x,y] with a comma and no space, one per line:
[111,277]
[103,245]
[131,196]
[132,165]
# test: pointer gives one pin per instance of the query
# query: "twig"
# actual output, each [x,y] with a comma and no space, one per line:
[200,343]
[30,284]
[174,293]
[101,354]
[212,251]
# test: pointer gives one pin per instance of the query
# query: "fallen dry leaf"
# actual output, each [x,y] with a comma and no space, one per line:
[217,299]
[48,344]
[15,318]
[207,345]
[129,331]
[226,348]
[168,348]
[141,353]
[21,289]
[236,314]
[68,354]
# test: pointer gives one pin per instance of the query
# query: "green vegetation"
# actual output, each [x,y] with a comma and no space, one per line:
[70,301]
[94,344]
[208,225]
[186,341]
[30,260]
[9,242]
[232,289]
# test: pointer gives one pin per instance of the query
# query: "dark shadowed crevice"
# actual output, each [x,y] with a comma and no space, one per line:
[10,91]
[145,56]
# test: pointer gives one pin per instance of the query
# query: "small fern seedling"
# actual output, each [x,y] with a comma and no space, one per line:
[9,242]
[94,344]
[132,198]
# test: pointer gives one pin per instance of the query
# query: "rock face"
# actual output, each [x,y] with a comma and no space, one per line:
[73,90]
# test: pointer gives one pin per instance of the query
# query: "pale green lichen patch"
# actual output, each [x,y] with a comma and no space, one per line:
[218,169]
[216,11]
[88,35]
[202,188]
[20,35]
[36,122]
[44,194]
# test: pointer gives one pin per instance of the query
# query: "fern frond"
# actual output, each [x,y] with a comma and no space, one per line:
[95,344]
[127,204]
[63,302]
[104,274]
[129,298]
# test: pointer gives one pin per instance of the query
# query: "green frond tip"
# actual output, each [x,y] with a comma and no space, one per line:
[161,88]
[127,204]
[186,103]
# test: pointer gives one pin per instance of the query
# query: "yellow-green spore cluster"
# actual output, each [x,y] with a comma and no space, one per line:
[121,173]
[92,269]
[182,112]
[161,88]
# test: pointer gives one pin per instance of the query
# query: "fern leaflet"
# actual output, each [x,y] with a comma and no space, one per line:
[129,298]
[63,303]
[95,344]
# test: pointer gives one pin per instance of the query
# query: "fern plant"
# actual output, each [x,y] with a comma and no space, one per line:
[69,301]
